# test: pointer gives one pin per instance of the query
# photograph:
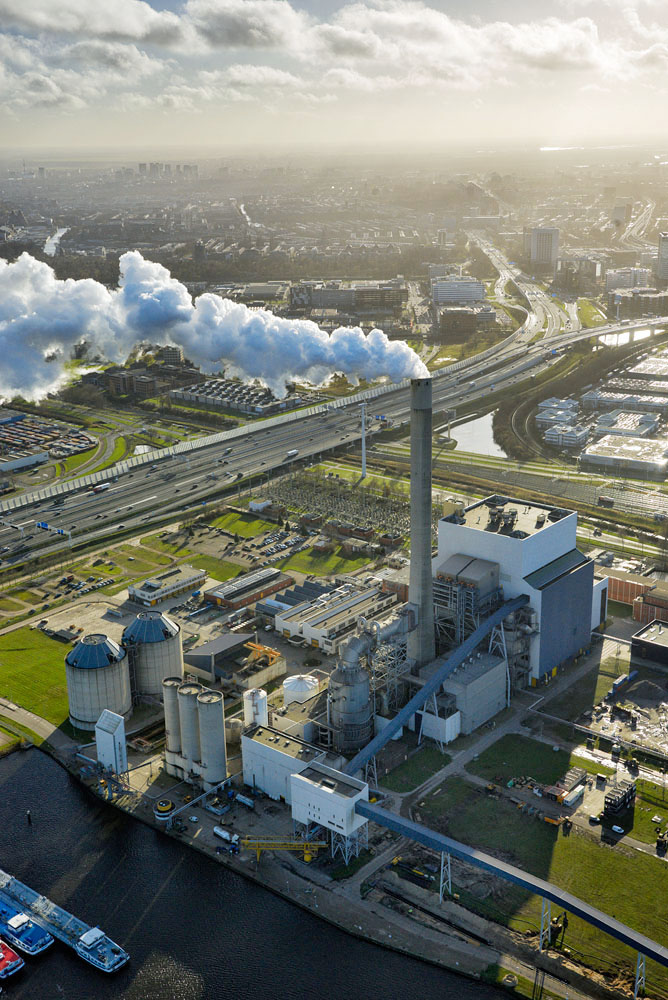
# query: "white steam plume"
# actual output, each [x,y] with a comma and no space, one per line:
[42,318]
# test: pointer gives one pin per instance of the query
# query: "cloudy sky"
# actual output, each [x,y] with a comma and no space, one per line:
[234,73]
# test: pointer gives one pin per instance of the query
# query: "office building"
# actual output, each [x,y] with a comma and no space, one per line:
[541,245]
[662,259]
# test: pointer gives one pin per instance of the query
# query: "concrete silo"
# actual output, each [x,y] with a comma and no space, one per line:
[98,677]
[170,688]
[153,644]
[255,707]
[187,703]
[213,758]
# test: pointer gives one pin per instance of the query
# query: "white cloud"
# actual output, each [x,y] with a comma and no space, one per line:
[132,19]
[252,24]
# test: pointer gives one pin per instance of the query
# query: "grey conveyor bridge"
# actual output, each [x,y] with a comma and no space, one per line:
[437,842]
[433,683]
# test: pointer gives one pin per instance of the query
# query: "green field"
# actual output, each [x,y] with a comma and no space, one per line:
[74,462]
[604,876]
[175,549]
[414,771]
[589,314]
[244,525]
[7,604]
[219,569]
[119,452]
[32,673]
[322,563]
[516,756]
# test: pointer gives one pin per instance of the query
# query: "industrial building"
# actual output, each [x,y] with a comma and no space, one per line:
[566,436]
[325,622]
[628,454]
[457,289]
[98,677]
[652,603]
[535,551]
[195,732]
[112,753]
[271,757]
[172,583]
[601,399]
[355,297]
[248,588]
[619,799]
[651,642]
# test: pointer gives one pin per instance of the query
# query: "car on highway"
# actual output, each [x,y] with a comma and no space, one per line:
[594,819]
[617,829]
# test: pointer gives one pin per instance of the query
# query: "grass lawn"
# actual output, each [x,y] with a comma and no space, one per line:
[590,689]
[599,874]
[26,595]
[515,756]
[7,604]
[589,314]
[75,461]
[322,563]
[32,673]
[244,525]
[219,569]
[414,771]
[154,542]
[119,452]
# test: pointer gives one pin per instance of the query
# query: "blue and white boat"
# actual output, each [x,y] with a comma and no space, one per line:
[22,932]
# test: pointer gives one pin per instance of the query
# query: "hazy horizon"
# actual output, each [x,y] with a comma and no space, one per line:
[236,75]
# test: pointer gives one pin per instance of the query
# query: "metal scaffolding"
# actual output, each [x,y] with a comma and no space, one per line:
[389,663]
[349,847]
[446,876]
[459,609]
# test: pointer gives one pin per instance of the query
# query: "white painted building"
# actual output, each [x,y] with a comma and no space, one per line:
[457,289]
[270,758]
[566,435]
[112,751]
[628,277]
[536,549]
[181,580]
[541,244]
[327,797]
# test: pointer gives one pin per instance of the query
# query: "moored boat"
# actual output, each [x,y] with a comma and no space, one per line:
[22,932]
[10,962]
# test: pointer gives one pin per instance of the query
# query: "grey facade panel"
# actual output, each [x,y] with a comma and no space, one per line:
[565,620]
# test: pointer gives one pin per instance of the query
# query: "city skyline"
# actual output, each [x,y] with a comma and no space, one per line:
[233,74]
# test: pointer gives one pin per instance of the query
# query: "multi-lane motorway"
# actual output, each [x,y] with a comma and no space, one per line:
[178,484]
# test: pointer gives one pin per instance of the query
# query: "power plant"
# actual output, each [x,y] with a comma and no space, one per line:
[195,732]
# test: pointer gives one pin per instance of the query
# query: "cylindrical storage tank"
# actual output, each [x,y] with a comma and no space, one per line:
[187,697]
[98,677]
[299,687]
[233,730]
[154,641]
[170,690]
[350,709]
[256,712]
[213,759]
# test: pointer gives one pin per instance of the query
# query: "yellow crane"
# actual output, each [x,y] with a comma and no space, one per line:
[309,848]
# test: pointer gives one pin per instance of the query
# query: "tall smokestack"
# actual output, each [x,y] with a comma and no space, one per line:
[421,644]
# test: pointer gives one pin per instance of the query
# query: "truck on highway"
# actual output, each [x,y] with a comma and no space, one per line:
[292,453]
[101,487]
[605,502]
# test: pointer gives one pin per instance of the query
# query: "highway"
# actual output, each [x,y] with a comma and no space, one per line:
[175,485]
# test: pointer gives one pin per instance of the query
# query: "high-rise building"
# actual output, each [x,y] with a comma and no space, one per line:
[541,245]
[662,261]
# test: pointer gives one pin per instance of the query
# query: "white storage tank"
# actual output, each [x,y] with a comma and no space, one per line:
[299,687]
[187,699]
[213,759]
[256,712]
[153,643]
[98,677]
[170,689]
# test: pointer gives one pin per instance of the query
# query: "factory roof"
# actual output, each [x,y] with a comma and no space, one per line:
[507,516]
[614,448]
[559,567]
[656,633]
[173,577]
[301,711]
[288,745]
[462,567]
[109,722]
[222,644]
[466,674]
[330,780]
[249,581]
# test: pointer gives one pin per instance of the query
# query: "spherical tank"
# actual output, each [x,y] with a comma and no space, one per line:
[350,710]
[98,677]
[187,697]
[299,687]
[255,707]
[211,712]
[153,641]
[170,688]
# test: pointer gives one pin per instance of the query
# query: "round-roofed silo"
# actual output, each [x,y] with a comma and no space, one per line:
[213,758]
[98,677]
[187,697]
[153,642]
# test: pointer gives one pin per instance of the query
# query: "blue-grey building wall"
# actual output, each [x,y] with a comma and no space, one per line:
[565,618]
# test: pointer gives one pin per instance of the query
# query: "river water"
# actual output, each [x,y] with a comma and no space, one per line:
[477,436]
[194,930]
[53,241]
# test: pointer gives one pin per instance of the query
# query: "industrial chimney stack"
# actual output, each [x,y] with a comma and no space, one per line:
[421,643]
